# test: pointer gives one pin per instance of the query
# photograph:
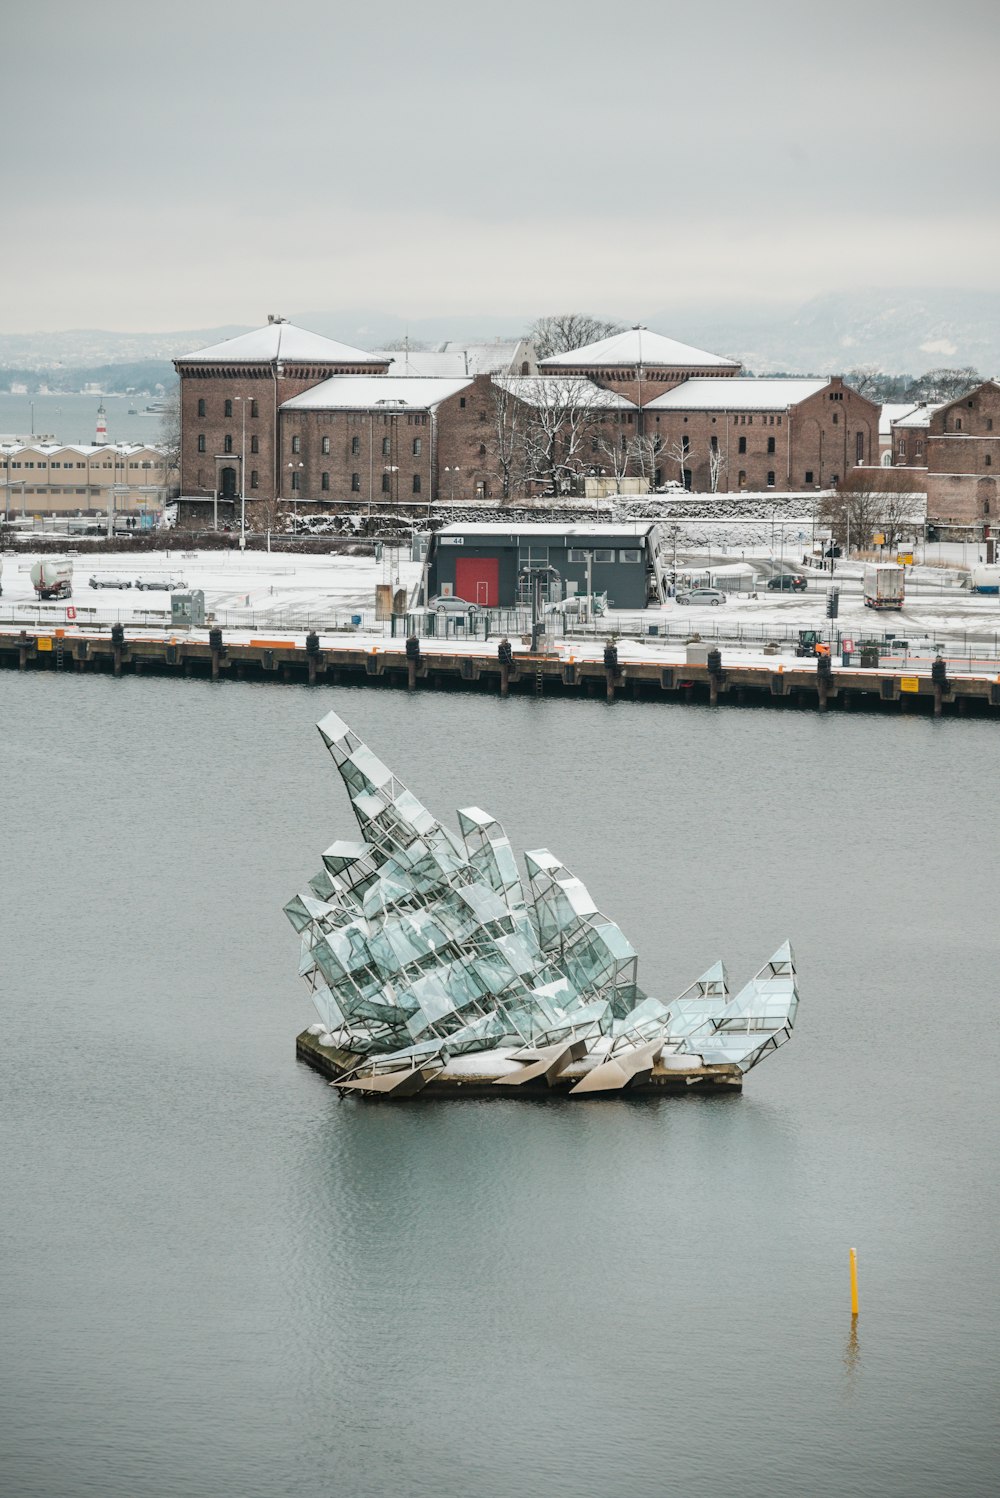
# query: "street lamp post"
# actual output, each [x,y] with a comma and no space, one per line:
[451,480]
[243,466]
[295,468]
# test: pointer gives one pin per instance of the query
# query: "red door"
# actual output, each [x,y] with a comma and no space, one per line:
[477,580]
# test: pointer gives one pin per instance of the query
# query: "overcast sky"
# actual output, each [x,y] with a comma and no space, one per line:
[195,163]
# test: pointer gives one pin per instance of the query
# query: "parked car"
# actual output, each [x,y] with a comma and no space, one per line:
[787,582]
[713,596]
[110,582]
[161,584]
[444,603]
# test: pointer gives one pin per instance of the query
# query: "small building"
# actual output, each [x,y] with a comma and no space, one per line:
[492,563]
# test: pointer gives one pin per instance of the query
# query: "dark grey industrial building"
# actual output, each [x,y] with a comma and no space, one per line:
[490,564]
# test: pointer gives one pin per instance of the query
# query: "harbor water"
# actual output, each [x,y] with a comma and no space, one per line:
[220,1280]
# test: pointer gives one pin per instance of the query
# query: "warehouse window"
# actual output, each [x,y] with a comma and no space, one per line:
[770,444]
[254,444]
[325,481]
[325,444]
[296,444]
[355,483]
[201,407]
[228,408]
[770,478]
[743,445]
[416,483]
[355,444]
[201,442]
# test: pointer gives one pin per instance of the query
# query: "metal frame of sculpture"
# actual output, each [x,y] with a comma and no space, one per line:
[420,945]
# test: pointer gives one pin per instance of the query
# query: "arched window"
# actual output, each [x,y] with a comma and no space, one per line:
[326,444]
[201,442]
[296,444]
[325,481]
[227,444]
[254,445]
[228,408]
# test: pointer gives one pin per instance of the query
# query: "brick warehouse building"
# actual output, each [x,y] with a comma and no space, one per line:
[231,396]
[782,434]
[956,444]
[319,421]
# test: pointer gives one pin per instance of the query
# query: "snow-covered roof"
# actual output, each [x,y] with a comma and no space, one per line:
[626,528]
[920,416]
[737,394]
[375,392]
[453,360]
[557,390]
[892,412]
[639,346]
[279,340]
[83,449]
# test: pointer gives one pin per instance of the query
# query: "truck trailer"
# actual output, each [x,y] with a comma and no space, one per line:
[53,578]
[884,585]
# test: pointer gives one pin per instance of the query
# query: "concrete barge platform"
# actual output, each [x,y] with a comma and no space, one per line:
[781,684]
[333,1064]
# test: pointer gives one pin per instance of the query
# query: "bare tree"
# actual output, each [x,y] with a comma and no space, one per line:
[615,448]
[871,501]
[716,465]
[568,330]
[560,418]
[944,384]
[170,428]
[507,445]
[681,453]
[868,380]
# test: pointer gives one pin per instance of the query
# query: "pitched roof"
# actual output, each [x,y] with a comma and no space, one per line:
[279,340]
[920,416]
[375,392]
[736,394]
[560,390]
[893,411]
[639,346]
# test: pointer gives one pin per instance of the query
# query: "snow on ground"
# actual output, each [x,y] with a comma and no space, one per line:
[283,594]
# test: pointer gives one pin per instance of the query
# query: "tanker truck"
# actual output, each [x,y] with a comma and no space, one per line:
[53,577]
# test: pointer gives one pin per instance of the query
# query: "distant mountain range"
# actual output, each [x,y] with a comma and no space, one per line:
[897,332]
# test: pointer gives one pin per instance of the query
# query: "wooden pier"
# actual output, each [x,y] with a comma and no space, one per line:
[478,669]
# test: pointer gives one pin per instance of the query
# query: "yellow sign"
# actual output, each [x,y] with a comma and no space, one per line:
[879,538]
[905,558]
[909,683]
[44,643]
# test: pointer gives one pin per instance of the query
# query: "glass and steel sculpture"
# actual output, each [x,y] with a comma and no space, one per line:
[422,946]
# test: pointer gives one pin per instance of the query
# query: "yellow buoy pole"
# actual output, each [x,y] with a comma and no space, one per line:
[854,1282]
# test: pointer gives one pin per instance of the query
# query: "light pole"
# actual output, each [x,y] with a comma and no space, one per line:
[295,468]
[243,465]
[451,481]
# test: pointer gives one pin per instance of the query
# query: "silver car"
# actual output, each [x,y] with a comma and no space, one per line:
[713,596]
[444,603]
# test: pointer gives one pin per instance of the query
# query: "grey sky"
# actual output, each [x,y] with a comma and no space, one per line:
[187,164]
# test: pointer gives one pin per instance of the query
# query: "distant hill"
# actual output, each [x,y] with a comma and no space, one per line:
[896,331]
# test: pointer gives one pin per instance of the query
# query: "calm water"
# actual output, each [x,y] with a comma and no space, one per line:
[73,418]
[219,1280]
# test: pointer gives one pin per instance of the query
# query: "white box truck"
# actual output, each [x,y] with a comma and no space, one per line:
[884,585]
